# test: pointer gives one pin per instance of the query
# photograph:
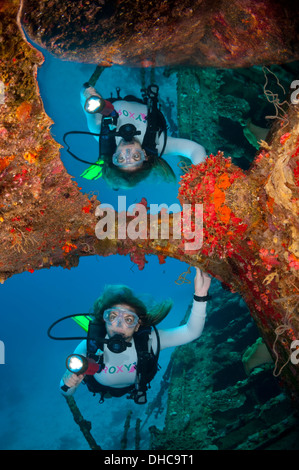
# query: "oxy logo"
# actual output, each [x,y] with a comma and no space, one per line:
[295,94]
[295,354]
[2,353]
[137,117]
[137,223]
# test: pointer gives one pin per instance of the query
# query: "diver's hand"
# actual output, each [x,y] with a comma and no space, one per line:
[72,380]
[202,282]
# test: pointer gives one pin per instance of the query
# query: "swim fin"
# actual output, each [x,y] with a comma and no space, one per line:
[93,172]
[82,321]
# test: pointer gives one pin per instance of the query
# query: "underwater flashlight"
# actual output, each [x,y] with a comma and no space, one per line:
[97,104]
[78,364]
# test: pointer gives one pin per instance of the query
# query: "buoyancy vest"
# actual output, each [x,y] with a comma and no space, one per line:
[146,368]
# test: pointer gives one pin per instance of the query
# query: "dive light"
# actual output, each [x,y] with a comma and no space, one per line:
[78,364]
[97,104]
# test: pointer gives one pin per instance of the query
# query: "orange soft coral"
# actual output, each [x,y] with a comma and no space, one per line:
[205,183]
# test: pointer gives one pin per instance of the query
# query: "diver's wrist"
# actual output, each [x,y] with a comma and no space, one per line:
[202,298]
[65,387]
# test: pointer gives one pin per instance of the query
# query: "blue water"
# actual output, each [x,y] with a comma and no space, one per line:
[33,413]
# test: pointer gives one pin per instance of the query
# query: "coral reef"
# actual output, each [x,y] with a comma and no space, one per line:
[167,33]
[250,217]
[251,223]
[44,218]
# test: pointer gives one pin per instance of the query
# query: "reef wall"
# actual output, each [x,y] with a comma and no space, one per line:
[173,32]
[42,209]
[250,217]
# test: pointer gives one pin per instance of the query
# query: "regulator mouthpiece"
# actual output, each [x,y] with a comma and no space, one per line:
[117,344]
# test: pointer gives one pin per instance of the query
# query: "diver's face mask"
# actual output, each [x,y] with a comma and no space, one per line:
[128,157]
[120,317]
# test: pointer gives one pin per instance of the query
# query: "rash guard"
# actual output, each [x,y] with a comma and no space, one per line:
[120,369]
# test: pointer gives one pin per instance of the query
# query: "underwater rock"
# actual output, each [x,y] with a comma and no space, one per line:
[167,33]
[256,355]
[255,134]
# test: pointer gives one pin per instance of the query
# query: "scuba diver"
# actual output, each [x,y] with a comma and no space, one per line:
[132,136]
[125,359]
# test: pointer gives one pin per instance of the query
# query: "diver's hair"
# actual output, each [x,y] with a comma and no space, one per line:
[119,179]
[121,294]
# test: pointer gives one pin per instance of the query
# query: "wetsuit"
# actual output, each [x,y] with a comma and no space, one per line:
[131,112]
[120,369]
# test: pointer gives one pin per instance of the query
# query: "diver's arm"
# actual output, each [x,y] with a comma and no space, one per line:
[186,333]
[187,148]
[70,382]
[195,324]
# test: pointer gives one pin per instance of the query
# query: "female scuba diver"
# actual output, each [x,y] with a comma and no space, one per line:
[132,135]
[126,359]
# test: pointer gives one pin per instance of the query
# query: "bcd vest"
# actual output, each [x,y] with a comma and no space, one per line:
[146,368]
